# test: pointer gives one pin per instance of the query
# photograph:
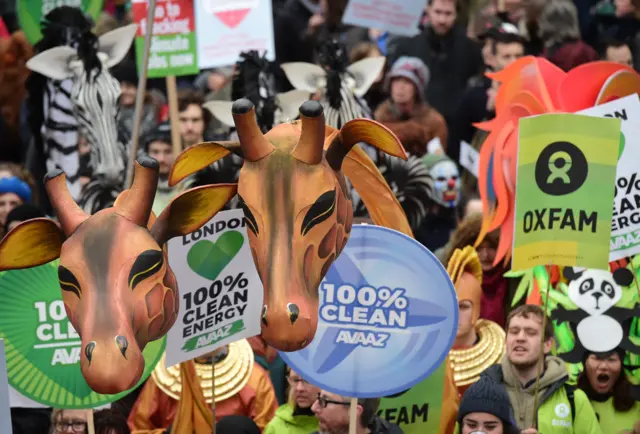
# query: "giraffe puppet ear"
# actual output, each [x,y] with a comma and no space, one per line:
[30,244]
[199,156]
[191,210]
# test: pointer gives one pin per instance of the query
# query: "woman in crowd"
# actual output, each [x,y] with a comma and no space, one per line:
[485,408]
[609,390]
[296,417]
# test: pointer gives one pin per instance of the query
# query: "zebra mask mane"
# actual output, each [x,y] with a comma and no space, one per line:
[342,85]
[254,79]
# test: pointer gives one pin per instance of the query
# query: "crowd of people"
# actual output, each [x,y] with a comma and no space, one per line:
[431,92]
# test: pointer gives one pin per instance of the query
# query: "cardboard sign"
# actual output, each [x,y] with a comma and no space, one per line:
[469,158]
[173,47]
[220,290]
[564,190]
[625,227]
[399,17]
[30,12]
[417,410]
[387,319]
[43,349]
[5,412]
[228,27]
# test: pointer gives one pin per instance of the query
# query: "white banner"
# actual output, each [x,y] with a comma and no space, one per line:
[398,17]
[220,290]
[469,158]
[625,224]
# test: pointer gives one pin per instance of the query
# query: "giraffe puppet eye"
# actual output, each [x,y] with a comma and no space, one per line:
[146,265]
[68,281]
[320,211]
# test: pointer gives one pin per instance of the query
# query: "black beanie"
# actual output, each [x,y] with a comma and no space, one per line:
[487,396]
[236,425]
[162,133]
[23,213]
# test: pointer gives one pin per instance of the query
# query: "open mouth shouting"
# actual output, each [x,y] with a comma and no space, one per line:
[519,351]
[604,383]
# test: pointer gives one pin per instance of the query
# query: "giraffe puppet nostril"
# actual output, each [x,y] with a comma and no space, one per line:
[264,315]
[294,312]
[88,350]
[123,345]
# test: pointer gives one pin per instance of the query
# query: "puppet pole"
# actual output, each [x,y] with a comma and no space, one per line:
[353,416]
[90,426]
[213,395]
[172,96]
[142,88]
[541,357]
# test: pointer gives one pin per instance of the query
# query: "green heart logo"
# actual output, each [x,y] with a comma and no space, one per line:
[208,259]
[621,145]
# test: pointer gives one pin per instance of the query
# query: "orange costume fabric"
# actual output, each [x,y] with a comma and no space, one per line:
[155,411]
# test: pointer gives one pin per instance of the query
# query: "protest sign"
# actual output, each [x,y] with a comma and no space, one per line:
[388,316]
[399,17]
[43,349]
[625,226]
[417,410]
[31,12]
[173,46]
[469,158]
[220,290]
[5,413]
[564,190]
[228,27]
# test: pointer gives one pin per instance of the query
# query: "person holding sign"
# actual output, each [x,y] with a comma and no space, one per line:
[561,409]
[247,393]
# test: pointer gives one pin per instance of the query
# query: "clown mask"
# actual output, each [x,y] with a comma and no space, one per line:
[444,180]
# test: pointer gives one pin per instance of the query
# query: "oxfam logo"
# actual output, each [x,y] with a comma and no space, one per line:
[561,169]
[562,410]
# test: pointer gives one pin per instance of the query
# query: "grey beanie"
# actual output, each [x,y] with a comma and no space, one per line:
[487,396]
[412,69]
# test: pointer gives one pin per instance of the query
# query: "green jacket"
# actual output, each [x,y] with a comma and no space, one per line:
[285,422]
[555,407]
[615,422]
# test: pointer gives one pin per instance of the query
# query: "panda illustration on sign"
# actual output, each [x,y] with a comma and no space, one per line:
[598,325]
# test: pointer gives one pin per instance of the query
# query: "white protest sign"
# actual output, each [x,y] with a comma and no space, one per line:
[225,28]
[625,224]
[469,158]
[5,412]
[220,290]
[399,17]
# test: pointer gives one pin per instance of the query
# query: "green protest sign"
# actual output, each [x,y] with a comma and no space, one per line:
[43,349]
[417,410]
[213,337]
[30,12]
[565,190]
[173,45]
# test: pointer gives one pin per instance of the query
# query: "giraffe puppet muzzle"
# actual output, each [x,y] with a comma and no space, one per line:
[117,287]
[298,207]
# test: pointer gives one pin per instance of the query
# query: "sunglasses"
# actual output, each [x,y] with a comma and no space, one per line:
[324,401]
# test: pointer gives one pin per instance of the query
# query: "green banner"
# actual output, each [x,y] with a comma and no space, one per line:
[564,190]
[213,337]
[173,45]
[417,410]
[43,349]
[30,12]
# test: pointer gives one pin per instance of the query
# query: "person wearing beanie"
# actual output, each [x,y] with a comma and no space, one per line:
[406,112]
[20,214]
[485,408]
[609,390]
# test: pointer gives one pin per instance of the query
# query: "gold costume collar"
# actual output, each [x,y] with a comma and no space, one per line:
[232,374]
[468,363]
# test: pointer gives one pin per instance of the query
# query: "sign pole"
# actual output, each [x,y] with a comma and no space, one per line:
[172,96]
[353,416]
[213,395]
[90,426]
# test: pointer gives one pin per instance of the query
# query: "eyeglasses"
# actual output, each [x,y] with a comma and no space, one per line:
[76,426]
[293,381]
[324,401]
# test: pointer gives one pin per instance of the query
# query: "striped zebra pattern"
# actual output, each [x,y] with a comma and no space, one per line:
[60,132]
[351,107]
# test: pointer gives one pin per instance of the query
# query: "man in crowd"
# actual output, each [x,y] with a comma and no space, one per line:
[194,119]
[619,52]
[332,412]
[451,57]
[561,409]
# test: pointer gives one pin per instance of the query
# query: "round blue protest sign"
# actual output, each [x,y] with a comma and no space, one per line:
[388,317]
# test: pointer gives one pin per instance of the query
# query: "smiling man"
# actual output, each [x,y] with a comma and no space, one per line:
[561,409]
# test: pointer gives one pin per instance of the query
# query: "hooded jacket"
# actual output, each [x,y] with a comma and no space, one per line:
[286,423]
[554,415]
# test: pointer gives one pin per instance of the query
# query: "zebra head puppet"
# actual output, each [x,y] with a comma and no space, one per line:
[94,93]
[342,86]
[254,79]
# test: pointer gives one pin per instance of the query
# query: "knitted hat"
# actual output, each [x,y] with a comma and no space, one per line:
[412,69]
[431,160]
[487,396]
[236,425]
[162,133]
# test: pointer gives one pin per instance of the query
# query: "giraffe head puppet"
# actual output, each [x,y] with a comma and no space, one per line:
[95,91]
[118,290]
[297,206]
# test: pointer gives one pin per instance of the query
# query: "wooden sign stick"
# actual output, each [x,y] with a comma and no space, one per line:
[353,416]
[213,395]
[90,426]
